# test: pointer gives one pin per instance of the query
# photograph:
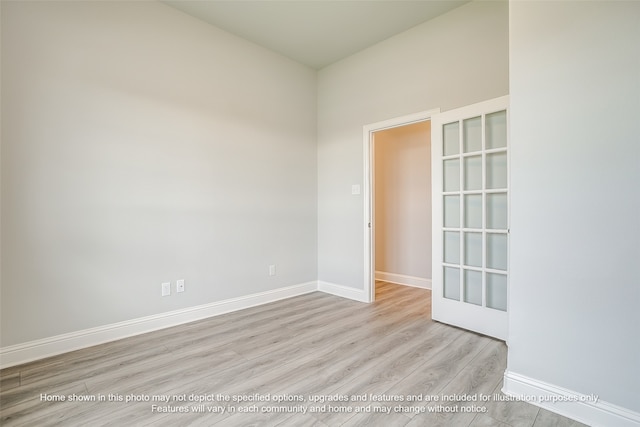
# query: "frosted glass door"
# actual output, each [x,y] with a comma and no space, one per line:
[470,174]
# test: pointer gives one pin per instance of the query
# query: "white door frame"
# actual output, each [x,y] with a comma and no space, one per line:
[369,238]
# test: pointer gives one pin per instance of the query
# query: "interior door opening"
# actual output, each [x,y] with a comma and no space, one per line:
[470,194]
[398,202]
[402,205]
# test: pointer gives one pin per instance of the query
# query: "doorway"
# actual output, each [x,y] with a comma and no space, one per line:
[398,202]
[470,214]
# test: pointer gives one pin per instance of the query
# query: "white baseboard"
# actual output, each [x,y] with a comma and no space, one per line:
[589,410]
[39,349]
[343,291]
[402,279]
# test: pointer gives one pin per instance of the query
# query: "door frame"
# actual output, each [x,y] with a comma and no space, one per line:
[368,150]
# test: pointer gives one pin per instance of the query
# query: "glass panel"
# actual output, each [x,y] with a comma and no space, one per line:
[473,249]
[451,175]
[496,130]
[452,247]
[497,170]
[497,251]
[473,173]
[451,283]
[497,291]
[497,211]
[452,211]
[472,131]
[473,287]
[473,211]
[451,139]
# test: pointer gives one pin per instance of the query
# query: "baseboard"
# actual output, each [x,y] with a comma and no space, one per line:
[39,349]
[402,279]
[343,291]
[589,410]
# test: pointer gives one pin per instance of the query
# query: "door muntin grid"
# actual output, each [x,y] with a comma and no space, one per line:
[475,210]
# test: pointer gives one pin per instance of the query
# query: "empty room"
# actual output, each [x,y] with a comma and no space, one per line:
[212,213]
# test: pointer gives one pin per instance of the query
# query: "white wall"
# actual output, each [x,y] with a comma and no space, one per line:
[402,225]
[456,59]
[575,281]
[140,145]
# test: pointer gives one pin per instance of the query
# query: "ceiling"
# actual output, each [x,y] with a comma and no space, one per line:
[315,32]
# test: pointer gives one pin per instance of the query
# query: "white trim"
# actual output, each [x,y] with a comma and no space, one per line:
[343,291]
[402,279]
[586,409]
[39,349]
[367,138]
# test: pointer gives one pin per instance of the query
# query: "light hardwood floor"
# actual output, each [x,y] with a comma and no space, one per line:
[305,347]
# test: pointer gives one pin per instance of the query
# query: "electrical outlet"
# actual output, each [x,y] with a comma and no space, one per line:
[180,285]
[272,270]
[166,289]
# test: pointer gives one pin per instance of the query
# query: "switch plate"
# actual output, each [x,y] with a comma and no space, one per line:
[272,270]
[180,285]
[166,289]
[355,189]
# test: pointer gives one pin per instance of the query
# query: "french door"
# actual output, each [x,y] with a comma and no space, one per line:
[470,176]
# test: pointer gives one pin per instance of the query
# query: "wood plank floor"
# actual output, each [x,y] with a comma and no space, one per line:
[310,347]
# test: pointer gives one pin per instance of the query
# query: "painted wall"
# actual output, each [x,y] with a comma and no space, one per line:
[140,145]
[575,282]
[402,223]
[456,59]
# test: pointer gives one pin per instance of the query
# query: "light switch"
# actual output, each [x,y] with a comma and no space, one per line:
[166,289]
[355,189]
